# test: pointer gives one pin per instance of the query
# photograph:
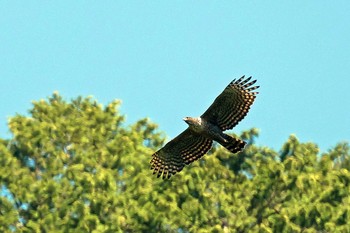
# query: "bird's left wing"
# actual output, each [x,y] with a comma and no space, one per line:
[182,150]
[232,105]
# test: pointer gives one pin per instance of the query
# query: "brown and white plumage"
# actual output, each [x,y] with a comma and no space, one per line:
[182,150]
[230,107]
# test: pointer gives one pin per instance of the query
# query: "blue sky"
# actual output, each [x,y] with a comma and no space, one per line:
[170,59]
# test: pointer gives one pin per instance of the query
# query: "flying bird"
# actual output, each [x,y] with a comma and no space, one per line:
[230,107]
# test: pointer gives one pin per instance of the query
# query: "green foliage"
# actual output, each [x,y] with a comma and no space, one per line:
[76,167]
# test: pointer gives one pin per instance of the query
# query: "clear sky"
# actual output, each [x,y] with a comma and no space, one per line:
[170,59]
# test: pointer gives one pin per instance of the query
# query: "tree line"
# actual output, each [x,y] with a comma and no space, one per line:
[75,166]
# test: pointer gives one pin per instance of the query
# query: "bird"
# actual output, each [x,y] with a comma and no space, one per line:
[229,108]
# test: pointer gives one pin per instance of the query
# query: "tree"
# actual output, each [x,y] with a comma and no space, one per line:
[76,167]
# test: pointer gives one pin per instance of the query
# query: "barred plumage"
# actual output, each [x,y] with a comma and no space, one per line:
[230,107]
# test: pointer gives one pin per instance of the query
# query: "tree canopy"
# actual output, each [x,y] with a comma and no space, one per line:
[75,166]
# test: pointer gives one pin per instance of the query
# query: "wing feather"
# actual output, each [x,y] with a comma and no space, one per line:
[186,148]
[233,104]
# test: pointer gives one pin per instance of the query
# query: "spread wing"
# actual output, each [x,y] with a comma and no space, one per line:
[182,150]
[232,105]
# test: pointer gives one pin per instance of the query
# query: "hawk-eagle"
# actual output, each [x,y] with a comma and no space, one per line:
[231,106]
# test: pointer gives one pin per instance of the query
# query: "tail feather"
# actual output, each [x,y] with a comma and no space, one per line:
[233,144]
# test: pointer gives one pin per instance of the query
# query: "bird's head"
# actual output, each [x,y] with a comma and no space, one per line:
[191,121]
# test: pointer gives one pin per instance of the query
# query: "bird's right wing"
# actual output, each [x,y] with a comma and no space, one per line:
[182,150]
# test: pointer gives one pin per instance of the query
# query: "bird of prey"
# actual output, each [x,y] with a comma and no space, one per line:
[230,107]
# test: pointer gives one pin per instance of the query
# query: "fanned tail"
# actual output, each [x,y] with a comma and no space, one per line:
[232,144]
